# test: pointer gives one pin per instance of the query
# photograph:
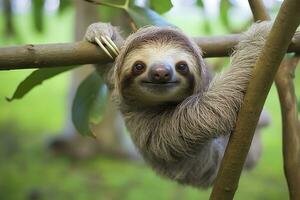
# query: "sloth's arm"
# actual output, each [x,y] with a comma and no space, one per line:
[213,113]
[98,31]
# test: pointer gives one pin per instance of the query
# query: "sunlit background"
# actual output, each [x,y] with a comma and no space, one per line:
[29,169]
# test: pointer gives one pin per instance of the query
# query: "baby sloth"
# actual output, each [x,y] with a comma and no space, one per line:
[179,117]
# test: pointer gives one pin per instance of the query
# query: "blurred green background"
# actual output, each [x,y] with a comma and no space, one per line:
[29,171]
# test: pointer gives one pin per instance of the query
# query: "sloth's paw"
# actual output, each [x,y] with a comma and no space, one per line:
[103,34]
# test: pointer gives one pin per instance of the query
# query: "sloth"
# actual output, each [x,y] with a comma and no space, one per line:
[178,115]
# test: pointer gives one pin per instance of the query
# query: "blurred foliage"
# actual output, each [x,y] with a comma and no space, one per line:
[64,5]
[160,6]
[200,3]
[206,22]
[225,6]
[9,30]
[38,14]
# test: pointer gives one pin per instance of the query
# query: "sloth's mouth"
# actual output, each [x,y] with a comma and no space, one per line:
[170,83]
[159,86]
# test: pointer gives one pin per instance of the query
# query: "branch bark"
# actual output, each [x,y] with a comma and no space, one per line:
[290,124]
[264,72]
[50,55]
[78,53]
[258,10]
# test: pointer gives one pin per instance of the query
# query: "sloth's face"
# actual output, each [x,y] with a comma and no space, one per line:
[157,74]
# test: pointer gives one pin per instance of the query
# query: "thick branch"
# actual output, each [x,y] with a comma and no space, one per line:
[264,72]
[290,122]
[56,55]
[218,46]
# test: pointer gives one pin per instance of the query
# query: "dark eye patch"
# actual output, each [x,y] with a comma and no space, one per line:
[138,68]
[182,67]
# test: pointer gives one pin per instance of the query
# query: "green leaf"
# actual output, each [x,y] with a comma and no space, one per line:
[89,103]
[141,16]
[200,3]
[34,79]
[145,16]
[108,4]
[161,6]
[38,14]
[225,6]
[206,26]
[64,5]
[99,105]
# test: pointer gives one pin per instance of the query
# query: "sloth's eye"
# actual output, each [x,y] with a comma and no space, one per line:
[138,67]
[182,67]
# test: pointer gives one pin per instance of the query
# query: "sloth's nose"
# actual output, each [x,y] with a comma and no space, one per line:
[161,73]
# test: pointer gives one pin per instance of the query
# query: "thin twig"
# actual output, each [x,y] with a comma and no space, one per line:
[258,10]
[290,122]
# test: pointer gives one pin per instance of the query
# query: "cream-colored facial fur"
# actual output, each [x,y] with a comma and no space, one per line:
[153,38]
[151,53]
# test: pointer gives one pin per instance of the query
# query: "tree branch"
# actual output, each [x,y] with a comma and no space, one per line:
[264,72]
[258,10]
[290,124]
[78,53]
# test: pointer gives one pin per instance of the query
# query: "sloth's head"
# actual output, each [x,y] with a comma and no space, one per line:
[158,66]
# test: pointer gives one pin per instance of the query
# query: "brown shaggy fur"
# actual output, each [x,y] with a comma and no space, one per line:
[186,142]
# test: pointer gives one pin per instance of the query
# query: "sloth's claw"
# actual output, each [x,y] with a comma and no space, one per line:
[109,44]
[113,44]
[103,47]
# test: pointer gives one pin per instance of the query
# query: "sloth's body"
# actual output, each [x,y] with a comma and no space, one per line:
[178,116]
